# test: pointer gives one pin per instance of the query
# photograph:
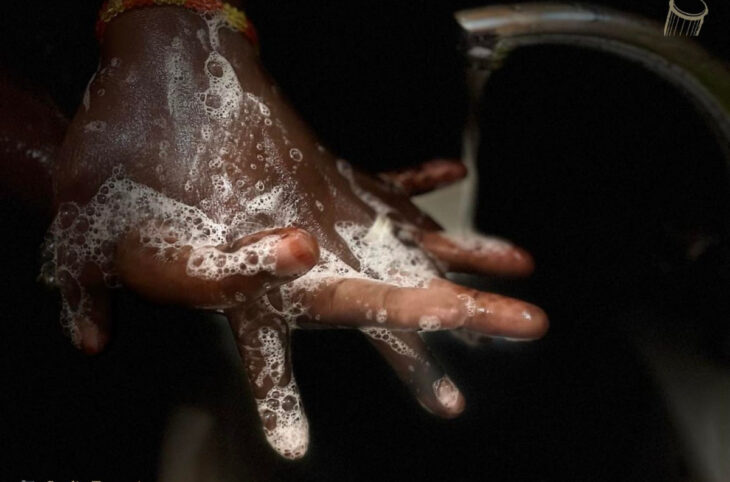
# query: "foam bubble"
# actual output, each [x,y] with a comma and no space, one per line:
[395,343]
[429,323]
[479,243]
[384,257]
[295,154]
[223,98]
[273,354]
[285,425]
[209,262]
[471,306]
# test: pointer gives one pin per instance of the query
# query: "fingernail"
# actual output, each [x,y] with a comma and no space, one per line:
[296,255]
[449,396]
[539,319]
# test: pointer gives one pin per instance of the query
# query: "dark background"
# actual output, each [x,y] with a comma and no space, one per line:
[603,171]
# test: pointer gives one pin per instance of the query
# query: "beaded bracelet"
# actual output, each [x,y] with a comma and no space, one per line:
[234,17]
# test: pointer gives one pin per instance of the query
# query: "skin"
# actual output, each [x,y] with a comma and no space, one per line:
[146,114]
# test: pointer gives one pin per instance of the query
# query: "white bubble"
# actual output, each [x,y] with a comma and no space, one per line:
[295,154]
[429,323]
[395,343]
[264,109]
[95,126]
[479,243]
[223,98]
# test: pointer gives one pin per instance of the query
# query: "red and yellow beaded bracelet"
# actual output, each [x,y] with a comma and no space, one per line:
[234,17]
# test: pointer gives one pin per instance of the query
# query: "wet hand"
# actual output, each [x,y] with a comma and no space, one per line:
[187,177]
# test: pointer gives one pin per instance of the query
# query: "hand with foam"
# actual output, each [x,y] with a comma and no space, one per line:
[186,177]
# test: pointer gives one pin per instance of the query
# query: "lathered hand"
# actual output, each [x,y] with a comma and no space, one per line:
[188,178]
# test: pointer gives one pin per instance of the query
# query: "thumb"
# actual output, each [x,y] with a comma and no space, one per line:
[216,276]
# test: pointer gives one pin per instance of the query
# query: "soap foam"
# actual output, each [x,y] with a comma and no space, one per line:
[392,340]
[285,424]
[82,235]
[479,243]
[429,323]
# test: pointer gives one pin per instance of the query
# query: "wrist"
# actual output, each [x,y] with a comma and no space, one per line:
[154,70]
[148,32]
[153,16]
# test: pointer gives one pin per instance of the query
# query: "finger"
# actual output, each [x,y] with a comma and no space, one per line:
[427,176]
[216,276]
[496,315]
[403,209]
[85,307]
[412,361]
[263,341]
[474,253]
[441,306]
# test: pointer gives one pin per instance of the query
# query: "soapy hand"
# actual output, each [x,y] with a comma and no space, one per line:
[186,177]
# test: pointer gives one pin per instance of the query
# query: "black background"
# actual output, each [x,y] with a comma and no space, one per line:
[600,169]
